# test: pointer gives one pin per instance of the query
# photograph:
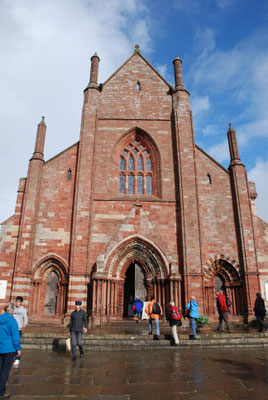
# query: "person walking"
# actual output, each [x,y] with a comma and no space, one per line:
[223,311]
[192,308]
[154,310]
[20,315]
[78,325]
[174,317]
[260,312]
[9,346]
[137,308]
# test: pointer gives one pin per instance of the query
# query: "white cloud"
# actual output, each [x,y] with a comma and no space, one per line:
[223,4]
[239,74]
[259,175]
[45,50]
[220,151]
[162,69]
[210,130]
[200,104]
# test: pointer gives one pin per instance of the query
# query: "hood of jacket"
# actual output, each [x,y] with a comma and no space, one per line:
[4,318]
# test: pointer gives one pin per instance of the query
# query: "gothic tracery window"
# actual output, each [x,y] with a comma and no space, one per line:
[135,165]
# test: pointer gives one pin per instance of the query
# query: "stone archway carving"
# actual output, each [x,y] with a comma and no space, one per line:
[229,272]
[109,278]
[51,270]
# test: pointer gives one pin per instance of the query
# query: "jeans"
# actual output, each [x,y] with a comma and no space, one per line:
[193,326]
[157,326]
[6,360]
[76,339]
[262,325]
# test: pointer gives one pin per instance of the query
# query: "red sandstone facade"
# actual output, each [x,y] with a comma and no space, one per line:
[134,204]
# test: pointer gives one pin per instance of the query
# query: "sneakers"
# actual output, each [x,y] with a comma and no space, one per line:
[73,359]
[81,354]
[17,362]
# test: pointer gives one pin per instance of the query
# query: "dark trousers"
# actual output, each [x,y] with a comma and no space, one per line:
[262,325]
[76,339]
[223,317]
[6,360]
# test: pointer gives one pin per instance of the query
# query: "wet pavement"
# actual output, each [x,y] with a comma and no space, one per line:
[192,374]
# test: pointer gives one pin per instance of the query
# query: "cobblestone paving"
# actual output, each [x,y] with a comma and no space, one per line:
[192,374]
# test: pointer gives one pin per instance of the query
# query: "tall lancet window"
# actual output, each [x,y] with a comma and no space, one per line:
[135,169]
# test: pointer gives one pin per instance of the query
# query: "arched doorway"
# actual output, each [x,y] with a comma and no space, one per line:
[134,268]
[49,289]
[223,275]
[134,287]
[51,293]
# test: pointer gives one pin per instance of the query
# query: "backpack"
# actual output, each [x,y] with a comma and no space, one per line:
[156,308]
[187,314]
[176,315]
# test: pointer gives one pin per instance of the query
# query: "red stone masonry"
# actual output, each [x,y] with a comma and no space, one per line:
[198,224]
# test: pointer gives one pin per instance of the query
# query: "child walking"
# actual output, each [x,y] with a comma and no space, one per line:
[20,315]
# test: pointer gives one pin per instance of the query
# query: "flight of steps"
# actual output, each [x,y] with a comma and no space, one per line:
[130,336]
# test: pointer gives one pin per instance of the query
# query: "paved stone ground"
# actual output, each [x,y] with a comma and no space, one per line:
[192,374]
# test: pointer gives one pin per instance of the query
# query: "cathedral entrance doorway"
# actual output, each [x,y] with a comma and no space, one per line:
[134,269]
[134,287]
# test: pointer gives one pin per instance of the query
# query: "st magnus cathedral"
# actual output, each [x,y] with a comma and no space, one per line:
[133,209]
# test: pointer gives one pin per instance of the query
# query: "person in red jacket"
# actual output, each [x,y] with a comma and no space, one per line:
[223,311]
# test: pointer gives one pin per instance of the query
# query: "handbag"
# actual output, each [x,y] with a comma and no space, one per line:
[68,344]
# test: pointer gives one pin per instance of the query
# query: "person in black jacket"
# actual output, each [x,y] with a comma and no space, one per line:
[260,312]
[78,319]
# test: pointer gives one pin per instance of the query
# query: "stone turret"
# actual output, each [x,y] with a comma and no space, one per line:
[94,72]
[178,73]
[40,141]
[233,147]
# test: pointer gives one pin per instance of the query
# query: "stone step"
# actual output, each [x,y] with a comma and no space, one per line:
[131,342]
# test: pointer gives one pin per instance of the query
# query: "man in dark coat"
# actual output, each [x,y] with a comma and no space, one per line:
[260,312]
[78,319]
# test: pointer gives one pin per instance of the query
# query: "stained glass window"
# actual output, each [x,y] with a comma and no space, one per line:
[148,164]
[130,163]
[140,184]
[136,162]
[122,179]
[131,184]
[148,184]
[139,164]
[122,164]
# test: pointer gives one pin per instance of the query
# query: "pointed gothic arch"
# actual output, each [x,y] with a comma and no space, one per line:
[109,279]
[49,287]
[225,270]
[138,164]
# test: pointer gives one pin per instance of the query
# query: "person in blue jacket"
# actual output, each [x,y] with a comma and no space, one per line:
[137,308]
[9,346]
[192,306]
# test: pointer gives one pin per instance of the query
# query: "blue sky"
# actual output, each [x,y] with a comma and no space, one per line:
[45,50]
